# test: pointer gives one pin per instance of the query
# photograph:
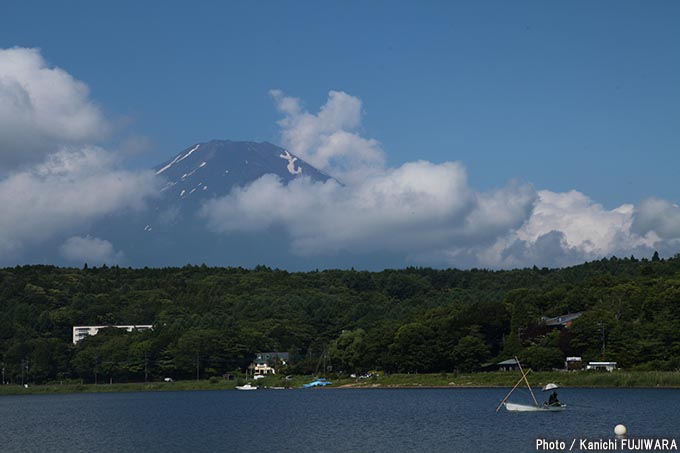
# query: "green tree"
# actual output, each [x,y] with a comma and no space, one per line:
[412,349]
[541,358]
[348,351]
[470,353]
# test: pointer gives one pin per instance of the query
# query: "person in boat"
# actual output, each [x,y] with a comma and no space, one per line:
[553,401]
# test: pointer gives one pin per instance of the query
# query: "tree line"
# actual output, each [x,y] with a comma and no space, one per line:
[209,321]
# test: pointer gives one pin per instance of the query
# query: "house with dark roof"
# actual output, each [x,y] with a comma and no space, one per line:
[266,362]
[562,321]
[505,365]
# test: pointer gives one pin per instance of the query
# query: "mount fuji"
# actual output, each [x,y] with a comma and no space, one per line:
[171,228]
[207,170]
[171,231]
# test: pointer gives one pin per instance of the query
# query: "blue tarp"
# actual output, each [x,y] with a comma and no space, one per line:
[318,383]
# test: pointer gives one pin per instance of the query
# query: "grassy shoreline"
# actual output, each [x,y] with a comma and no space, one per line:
[621,379]
[624,379]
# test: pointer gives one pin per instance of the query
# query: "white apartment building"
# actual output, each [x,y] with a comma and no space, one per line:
[80,332]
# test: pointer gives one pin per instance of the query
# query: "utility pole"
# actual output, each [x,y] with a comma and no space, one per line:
[198,368]
[603,338]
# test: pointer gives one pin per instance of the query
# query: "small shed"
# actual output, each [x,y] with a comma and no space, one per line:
[602,366]
[506,365]
[573,363]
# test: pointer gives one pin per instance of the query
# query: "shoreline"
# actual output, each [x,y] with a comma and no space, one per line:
[413,387]
[578,379]
[114,388]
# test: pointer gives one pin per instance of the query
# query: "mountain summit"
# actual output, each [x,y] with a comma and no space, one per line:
[210,169]
[172,231]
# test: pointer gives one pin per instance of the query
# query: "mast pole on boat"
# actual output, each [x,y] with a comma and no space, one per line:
[513,389]
[527,381]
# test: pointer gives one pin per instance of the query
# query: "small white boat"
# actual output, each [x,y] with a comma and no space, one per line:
[553,406]
[246,387]
[513,407]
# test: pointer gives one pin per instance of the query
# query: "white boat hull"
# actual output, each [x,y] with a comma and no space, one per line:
[528,408]
[246,387]
[513,407]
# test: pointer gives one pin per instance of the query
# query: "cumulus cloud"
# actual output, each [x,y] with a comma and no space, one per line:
[586,225]
[66,192]
[54,184]
[90,250]
[568,228]
[659,216]
[53,181]
[329,140]
[426,211]
[411,209]
[41,109]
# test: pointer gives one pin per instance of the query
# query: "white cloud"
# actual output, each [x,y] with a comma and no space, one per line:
[53,182]
[90,250]
[56,185]
[424,210]
[413,209]
[329,140]
[659,216]
[66,192]
[41,109]
[586,225]
[568,228]
[427,211]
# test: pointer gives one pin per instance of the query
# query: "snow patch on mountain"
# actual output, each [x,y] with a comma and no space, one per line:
[191,151]
[186,175]
[291,163]
[177,159]
[168,186]
[169,165]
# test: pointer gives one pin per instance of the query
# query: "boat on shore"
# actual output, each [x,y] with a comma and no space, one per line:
[246,387]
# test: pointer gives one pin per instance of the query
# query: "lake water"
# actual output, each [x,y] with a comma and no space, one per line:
[324,420]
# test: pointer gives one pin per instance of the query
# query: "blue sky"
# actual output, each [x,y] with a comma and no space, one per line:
[580,96]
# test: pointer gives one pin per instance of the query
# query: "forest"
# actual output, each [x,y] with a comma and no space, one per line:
[210,321]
